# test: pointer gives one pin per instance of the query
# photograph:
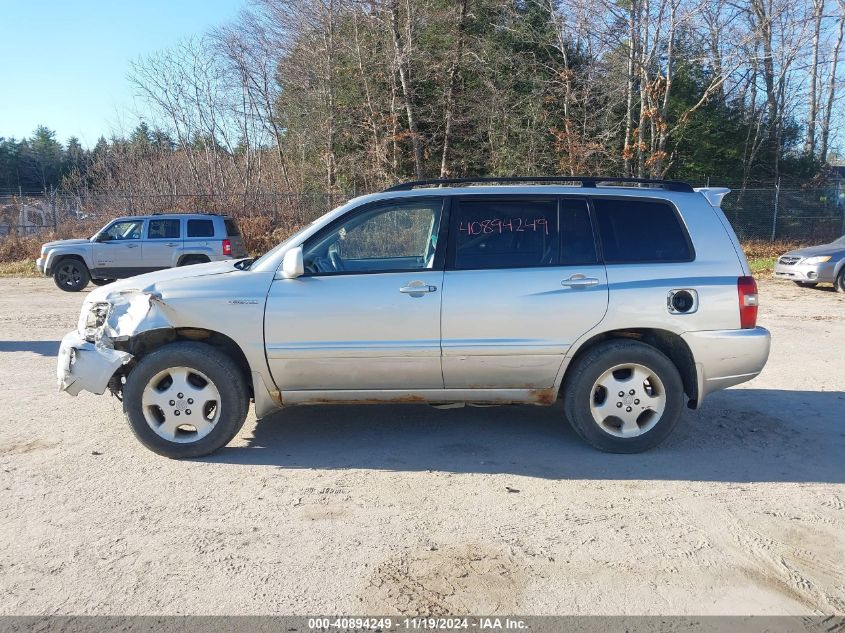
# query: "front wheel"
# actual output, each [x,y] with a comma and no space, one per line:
[185,399]
[807,284]
[623,396]
[839,283]
[71,275]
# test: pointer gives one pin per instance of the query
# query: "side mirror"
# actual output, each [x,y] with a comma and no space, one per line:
[293,265]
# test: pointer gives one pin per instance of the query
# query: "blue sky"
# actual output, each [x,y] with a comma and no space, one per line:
[63,63]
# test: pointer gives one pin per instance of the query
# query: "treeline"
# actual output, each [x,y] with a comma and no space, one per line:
[351,95]
[40,162]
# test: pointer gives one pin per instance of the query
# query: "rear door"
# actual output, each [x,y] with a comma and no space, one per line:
[163,243]
[523,282]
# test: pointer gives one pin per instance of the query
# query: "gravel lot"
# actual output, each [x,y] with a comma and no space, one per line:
[401,509]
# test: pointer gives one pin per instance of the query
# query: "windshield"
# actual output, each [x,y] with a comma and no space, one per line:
[276,248]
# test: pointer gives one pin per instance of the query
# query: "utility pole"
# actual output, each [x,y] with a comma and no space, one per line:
[775,215]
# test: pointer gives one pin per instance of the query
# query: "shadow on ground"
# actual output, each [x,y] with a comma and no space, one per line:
[44,348]
[741,435]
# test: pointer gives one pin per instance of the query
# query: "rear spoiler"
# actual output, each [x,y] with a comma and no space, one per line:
[714,195]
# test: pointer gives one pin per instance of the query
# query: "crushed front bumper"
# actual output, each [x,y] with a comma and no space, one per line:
[724,358]
[86,366]
[40,263]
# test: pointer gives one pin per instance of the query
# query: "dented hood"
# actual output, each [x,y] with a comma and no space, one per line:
[157,281]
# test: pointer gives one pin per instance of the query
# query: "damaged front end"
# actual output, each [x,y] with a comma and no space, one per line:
[92,357]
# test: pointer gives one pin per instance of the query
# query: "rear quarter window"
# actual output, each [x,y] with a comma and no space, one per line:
[232,229]
[200,228]
[641,231]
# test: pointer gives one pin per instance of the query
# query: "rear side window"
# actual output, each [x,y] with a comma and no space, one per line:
[505,234]
[232,229]
[200,228]
[577,243]
[163,229]
[640,231]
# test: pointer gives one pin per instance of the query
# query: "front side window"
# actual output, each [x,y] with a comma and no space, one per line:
[123,230]
[397,236]
[200,228]
[505,234]
[163,230]
[640,231]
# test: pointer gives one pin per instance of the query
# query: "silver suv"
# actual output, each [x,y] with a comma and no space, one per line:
[625,302]
[140,244]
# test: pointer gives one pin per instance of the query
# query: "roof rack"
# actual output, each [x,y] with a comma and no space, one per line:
[586,181]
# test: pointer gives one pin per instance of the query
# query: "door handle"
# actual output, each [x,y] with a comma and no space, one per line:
[172,244]
[579,281]
[417,288]
[131,246]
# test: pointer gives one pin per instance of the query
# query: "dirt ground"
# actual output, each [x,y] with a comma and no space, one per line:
[403,509]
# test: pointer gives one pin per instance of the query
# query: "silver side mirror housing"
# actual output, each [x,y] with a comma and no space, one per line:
[293,265]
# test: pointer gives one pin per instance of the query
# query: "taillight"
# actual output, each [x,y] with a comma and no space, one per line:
[748,302]
[227,247]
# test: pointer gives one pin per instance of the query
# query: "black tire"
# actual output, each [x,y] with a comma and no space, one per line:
[578,395]
[71,275]
[839,282]
[101,282]
[220,370]
[193,259]
[806,284]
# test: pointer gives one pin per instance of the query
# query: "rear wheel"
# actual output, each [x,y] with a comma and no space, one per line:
[623,396]
[807,284]
[101,282]
[71,275]
[193,259]
[185,400]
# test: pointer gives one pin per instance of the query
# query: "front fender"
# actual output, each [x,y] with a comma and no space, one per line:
[52,256]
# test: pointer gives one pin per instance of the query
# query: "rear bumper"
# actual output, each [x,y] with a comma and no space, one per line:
[724,358]
[85,366]
[813,273]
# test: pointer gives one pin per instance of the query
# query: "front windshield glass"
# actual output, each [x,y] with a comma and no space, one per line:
[276,248]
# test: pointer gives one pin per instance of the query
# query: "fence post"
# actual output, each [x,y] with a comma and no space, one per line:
[775,217]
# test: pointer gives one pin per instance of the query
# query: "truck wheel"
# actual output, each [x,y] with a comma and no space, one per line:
[71,275]
[190,260]
[623,396]
[839,283]
[185,399]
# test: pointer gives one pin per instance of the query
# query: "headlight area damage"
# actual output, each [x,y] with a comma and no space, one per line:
[92,355]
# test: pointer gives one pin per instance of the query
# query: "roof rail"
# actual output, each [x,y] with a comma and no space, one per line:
[586,181]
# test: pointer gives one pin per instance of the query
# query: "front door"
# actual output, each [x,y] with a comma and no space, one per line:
[522,284]
[163,242]
[366,314]
[117,249]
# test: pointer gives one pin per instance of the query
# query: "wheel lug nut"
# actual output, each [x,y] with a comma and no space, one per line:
[181,395]
[632,392]
[190,401]
[187,412]
[172,402]
[619,405]
[176,412]
[636,401]
[621,393]
[628,409]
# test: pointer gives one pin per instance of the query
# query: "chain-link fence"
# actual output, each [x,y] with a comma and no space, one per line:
[806,215]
